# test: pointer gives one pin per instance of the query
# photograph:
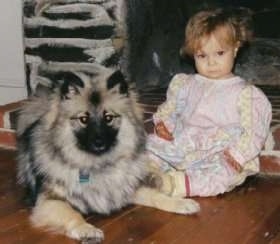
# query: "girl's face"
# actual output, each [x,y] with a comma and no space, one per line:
[213,60]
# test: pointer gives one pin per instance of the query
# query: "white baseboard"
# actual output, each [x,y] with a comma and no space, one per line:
[12,94]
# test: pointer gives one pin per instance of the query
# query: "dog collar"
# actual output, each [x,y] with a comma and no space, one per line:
[83,176]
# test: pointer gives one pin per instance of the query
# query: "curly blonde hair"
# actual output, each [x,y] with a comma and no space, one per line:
[231,26]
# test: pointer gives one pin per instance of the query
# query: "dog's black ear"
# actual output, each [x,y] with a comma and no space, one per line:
[117,78]
[70,84]
[65,82]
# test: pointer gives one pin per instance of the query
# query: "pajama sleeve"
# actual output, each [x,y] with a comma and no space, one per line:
[175,101]
[255,118]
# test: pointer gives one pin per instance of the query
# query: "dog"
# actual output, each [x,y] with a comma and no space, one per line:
[81,149]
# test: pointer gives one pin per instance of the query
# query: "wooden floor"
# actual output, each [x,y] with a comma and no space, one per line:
[250,214]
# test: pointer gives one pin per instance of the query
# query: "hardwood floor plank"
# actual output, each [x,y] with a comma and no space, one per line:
[239,215]
[102,220]
[136,226]
[268,230]
[181,227]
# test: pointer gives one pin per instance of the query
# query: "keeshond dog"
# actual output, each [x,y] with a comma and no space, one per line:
[81,149]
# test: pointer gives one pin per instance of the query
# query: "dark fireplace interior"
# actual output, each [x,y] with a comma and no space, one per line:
[156,33]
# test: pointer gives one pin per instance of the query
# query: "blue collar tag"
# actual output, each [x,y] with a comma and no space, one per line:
[83,176]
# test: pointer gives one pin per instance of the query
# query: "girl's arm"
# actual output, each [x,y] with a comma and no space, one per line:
[255,118]
[167,112]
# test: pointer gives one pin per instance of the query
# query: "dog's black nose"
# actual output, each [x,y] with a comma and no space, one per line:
[98,146]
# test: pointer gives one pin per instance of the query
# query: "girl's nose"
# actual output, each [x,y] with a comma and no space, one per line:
[211,60]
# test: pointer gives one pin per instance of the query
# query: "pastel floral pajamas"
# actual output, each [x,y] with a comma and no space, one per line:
[219,128]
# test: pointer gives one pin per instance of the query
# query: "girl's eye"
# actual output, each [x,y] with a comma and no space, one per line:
[221,53]
[84,119]
[200,55]
[108,118]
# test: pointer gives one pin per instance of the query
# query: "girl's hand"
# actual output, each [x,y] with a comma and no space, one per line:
[232,162]
[162,132]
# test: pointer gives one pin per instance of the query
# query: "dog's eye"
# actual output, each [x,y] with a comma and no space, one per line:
[108,118]
[84,119]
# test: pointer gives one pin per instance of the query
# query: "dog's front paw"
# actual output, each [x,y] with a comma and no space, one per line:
[86,233]
[186,206]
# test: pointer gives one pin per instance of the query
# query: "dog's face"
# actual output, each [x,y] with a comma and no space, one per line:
[94,131]
[93,108]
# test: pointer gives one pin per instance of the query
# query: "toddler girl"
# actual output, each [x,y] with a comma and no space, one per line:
[213,125]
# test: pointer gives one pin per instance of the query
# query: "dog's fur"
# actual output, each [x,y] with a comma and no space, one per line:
[81,148]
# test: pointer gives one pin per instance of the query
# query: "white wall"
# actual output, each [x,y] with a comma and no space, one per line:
[12,73]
